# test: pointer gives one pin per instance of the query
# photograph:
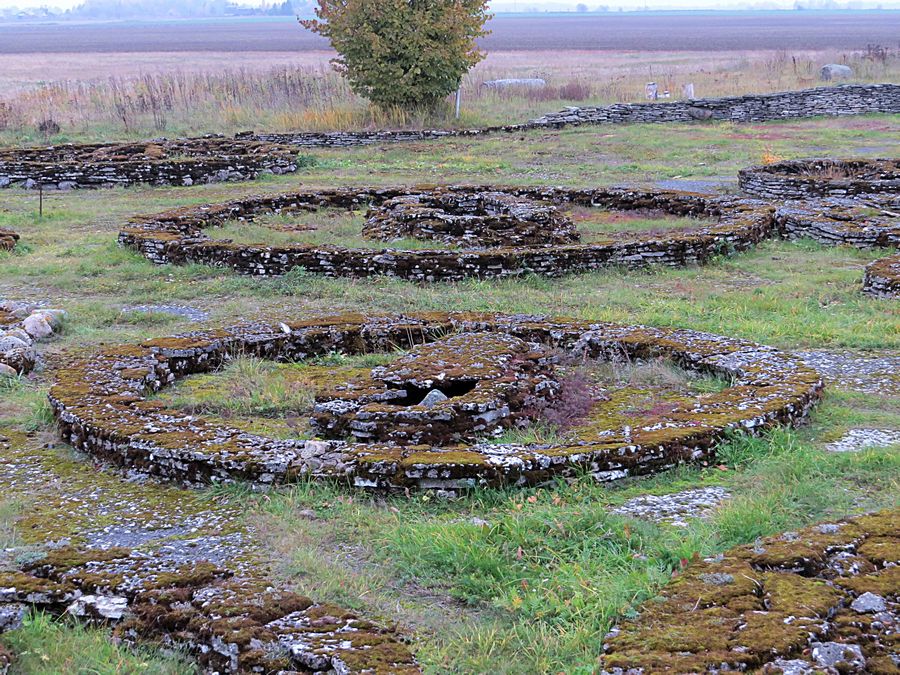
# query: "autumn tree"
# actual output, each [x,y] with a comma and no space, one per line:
[404,53]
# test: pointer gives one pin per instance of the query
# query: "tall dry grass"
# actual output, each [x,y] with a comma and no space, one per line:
[315,98]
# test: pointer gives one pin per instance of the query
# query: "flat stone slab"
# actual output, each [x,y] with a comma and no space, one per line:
[677,508]
[860,439]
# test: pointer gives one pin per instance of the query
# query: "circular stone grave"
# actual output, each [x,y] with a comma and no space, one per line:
[429,418]
[181,236]
[814,178]
[470,220]
[821,600]
[163,162]
[883,278]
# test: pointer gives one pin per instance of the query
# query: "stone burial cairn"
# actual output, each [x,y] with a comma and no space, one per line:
[854,202]
[161,162]
[479,220]
[426,420]
[22,324]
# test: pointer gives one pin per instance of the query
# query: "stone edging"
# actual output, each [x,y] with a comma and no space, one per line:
[820,600]
[102,407]
[164,162]
[178,237]
[814,178]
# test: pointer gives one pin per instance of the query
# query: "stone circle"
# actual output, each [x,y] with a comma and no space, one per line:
[816,178]
[820,600]
[163,162]
[103,408]
[180,236]
[473,220]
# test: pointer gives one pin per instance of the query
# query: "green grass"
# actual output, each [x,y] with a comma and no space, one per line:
[45,646]
[537,579]
[532,585]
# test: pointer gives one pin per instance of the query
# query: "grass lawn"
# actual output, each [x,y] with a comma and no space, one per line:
[517,581]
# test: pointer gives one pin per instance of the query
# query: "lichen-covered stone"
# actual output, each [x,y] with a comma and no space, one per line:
[23,324]
[102,406]
[470,220]
[816,178]
[784,604]
[179,236]
[176,162]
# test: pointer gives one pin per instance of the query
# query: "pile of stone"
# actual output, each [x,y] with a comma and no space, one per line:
[458,389]
[8,239]
[815,178]
[22,324]
[163,162]
[179,236]
[822,600]
[470,220]
[100,402]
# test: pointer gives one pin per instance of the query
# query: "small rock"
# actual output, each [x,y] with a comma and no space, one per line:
[789,667]
[869,603]
[432,398]
[37,327]
[11,616]
[717,579]
[8,343]
[478,522]
[308,514]
[99,607]
[8,371]
[836,71]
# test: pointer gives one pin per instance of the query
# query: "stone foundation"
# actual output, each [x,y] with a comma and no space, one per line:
[822,600]
[815,178]
[180,162]
[102,407]
[470,220]
[179,236]
[883,278]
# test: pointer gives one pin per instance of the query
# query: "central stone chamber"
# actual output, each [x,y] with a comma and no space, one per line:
[459,389]
[471,220]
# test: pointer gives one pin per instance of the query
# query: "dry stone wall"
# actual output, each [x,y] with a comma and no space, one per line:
[819,101]
[102,405]
[179,237]
[816,178]
[182,162]
[883,277]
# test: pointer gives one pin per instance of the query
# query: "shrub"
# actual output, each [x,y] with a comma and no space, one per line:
[402,53]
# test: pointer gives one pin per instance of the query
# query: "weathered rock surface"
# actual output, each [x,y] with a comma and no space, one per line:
[102,408]
[783,605]
[836,71]
[824,177]
[677,508]
[23,324]
[177,162]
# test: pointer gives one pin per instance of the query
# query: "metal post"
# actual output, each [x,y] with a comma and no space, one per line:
[40,200]
[458,100]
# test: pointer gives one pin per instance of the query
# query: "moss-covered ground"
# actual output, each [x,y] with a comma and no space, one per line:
[494,581]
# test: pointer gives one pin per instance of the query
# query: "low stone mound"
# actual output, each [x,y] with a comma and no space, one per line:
[883,278]
[487,369]
[176,162]
[814,178]
[473,220]
[8,239]
[822,600]
[22,325]
[180,236]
